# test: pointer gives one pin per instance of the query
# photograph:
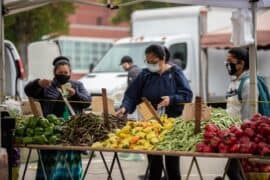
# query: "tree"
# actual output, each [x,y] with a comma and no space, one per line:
[25,27]
[123,13]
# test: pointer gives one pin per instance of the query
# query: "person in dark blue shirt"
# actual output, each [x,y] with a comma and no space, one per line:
[165,86]
[59,164]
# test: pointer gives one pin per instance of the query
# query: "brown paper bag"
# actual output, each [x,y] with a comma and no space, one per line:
[27,108]
[189,110]
[97,105]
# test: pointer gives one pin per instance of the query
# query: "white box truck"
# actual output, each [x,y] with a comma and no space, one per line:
[177,28]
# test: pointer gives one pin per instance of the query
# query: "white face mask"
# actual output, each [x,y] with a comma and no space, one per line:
[153,67]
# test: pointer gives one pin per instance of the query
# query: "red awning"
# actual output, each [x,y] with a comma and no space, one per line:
[221,38]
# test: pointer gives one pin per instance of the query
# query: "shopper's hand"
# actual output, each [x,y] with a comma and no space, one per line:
[165,101]
[121,113]
[71,91]
[45,83]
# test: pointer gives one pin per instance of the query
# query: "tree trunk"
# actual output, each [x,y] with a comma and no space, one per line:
[22,48]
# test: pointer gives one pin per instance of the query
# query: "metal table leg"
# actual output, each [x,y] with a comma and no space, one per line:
[194,160]
[27,162]
[42,165]
[198,168]
[88,164]
[226,168]
[147,171]
[164,168]
[111,168]
[146,174]
[242,170]
[115,157]
[104,162]
[119,165]
[190,167]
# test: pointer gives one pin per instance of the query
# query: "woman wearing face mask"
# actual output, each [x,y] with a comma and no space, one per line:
[165,86]
[46,90]
[237,65]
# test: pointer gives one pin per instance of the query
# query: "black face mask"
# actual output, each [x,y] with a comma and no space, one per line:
[231,68]
[61,78]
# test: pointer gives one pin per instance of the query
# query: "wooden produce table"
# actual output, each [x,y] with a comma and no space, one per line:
[194,156]
[260,160]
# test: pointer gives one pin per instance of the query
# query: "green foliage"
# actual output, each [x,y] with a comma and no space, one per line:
[123,13]
[32,25]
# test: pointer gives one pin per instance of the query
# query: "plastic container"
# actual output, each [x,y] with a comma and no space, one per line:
[258,176]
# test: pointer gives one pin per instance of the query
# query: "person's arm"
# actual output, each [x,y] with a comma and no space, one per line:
[33,89]
[246,101]
[81,94]
[132,96]
[183,92]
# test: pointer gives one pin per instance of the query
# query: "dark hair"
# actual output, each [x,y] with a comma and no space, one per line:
[167,54]
[60,60]
[126,59]
[241,54]
[157,50]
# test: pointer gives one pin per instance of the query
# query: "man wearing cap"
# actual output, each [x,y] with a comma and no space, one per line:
[132,69]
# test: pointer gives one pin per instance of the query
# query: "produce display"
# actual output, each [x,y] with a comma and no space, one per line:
[37,130]
[138,135]
[182,138]
[256,167]
[251,137]
[85,129]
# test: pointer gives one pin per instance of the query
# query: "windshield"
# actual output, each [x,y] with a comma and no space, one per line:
[110,62]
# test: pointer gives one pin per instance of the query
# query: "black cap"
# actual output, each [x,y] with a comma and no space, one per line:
[126,59]
[60,60]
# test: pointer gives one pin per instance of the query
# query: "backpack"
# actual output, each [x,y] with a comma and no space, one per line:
[264,97]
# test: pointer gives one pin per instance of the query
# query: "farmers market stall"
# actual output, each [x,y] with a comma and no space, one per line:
[194,155]
[216,138]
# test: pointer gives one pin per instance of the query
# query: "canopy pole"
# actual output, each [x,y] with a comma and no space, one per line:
[253,61]
[2,63]
[2,56]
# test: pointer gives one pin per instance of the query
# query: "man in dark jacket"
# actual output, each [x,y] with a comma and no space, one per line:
[132,69]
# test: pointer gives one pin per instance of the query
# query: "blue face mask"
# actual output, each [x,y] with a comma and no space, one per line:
[153,67]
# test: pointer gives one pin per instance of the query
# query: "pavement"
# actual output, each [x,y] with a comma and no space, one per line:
[97,169]
[210,167]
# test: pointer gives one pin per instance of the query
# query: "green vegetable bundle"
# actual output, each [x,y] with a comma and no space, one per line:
[182,138]
[38,130]
[85,129]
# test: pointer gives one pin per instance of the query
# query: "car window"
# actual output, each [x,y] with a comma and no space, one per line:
[179,54]
[111,61]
